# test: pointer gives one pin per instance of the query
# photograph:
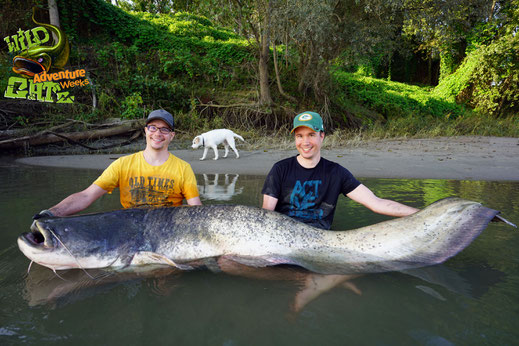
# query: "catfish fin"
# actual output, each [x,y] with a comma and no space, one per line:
[313,265]
[148,257]
[260,261]
[211,263]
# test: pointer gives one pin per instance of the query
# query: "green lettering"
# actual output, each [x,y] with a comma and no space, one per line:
[14,92]
[50,88]
[10,45]
[20,39]
[64,96]
[35,91]
[28,39]
[37,38]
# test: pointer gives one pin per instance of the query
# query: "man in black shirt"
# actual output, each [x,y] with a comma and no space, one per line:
[307,186]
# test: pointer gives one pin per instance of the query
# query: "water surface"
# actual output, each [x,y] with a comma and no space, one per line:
[473,298]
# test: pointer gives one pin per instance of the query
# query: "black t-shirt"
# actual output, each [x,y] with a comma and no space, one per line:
[308,195]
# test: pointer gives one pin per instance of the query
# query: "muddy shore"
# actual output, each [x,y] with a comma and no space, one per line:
[461,158]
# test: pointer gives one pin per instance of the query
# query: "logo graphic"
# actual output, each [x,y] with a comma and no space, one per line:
[302,200]
[39,67]
[305,117]
[150,191]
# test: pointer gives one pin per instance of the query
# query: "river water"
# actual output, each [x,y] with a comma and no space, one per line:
[472,299]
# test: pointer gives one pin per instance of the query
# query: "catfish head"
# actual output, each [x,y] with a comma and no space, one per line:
[80,242]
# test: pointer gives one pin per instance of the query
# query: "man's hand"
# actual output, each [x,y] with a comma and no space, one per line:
[43,214]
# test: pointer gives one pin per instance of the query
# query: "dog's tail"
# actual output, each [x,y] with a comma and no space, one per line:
[239,137]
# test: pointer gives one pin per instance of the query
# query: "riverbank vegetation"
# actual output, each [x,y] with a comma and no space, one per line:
[373,69]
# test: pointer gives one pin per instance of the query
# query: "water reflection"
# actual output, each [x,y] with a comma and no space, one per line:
[472,299]
[213,190]
[43,286]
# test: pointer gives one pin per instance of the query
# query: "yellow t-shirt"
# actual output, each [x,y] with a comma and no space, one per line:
[141,184]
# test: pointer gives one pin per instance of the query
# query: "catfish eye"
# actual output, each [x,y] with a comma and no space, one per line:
[40,59]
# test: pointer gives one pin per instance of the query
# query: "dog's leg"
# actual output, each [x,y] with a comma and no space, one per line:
[232,144]
[232,185]
[226,146]
[205,153]
[215,152]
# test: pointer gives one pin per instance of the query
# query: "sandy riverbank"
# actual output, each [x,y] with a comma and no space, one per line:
[461,158]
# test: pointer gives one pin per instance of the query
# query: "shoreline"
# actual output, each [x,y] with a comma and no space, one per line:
[458,158]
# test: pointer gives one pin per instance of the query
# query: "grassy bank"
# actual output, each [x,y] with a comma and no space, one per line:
[196,70]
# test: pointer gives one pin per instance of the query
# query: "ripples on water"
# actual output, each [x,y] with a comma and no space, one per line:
[471,299]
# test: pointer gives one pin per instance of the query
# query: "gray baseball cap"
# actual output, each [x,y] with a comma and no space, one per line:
[162,115]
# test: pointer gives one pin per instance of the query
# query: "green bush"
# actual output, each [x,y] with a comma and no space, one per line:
[163,58]
[132,107]
[393,99]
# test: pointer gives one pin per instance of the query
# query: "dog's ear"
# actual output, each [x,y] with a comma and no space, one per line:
[196,140]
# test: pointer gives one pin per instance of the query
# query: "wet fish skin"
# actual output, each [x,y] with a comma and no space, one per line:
[256,237]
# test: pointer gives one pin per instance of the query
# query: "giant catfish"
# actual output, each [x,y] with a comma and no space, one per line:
[185,237]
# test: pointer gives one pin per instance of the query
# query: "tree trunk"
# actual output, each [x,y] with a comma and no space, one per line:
[265,97]
[54,16]
[492,9]
[278,80]
[429,69]
[305,63]
[47,137]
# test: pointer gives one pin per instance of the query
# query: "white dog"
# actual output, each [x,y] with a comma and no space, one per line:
[212,138]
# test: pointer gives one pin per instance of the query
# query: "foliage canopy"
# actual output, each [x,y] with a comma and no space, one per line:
[339,57]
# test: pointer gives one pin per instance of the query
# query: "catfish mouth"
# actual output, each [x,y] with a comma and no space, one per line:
[27,67]
[38,238]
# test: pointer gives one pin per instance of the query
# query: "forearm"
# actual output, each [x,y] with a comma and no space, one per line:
[77,201]
[367,198]
[71,205]
[392,208]
[269,202]
[194,201]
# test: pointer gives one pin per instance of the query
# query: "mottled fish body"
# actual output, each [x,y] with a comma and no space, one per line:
[186,236]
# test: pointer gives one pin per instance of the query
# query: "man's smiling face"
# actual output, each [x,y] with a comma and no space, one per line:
[158,140]
[308,142]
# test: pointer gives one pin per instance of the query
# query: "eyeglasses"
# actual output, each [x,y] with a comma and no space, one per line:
[163,130]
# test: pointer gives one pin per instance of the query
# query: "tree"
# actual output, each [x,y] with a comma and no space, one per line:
[442,28]
[152,6]
[321,31]
[53,13]
[54,16]
[252,19]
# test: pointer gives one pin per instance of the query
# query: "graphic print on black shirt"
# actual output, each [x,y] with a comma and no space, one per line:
[303,198]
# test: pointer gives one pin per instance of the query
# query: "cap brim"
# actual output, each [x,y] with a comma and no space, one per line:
[303,126]
[159,118]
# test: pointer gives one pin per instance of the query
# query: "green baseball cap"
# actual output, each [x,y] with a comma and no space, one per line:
[312,120]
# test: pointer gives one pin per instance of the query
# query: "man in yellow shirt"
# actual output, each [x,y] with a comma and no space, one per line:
[152,177]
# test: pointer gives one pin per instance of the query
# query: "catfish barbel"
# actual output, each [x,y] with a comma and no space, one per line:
[186,236]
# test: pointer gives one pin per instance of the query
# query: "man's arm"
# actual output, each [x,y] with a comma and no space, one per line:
[194,201]
[367,198]
[269,202]
[78,201]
